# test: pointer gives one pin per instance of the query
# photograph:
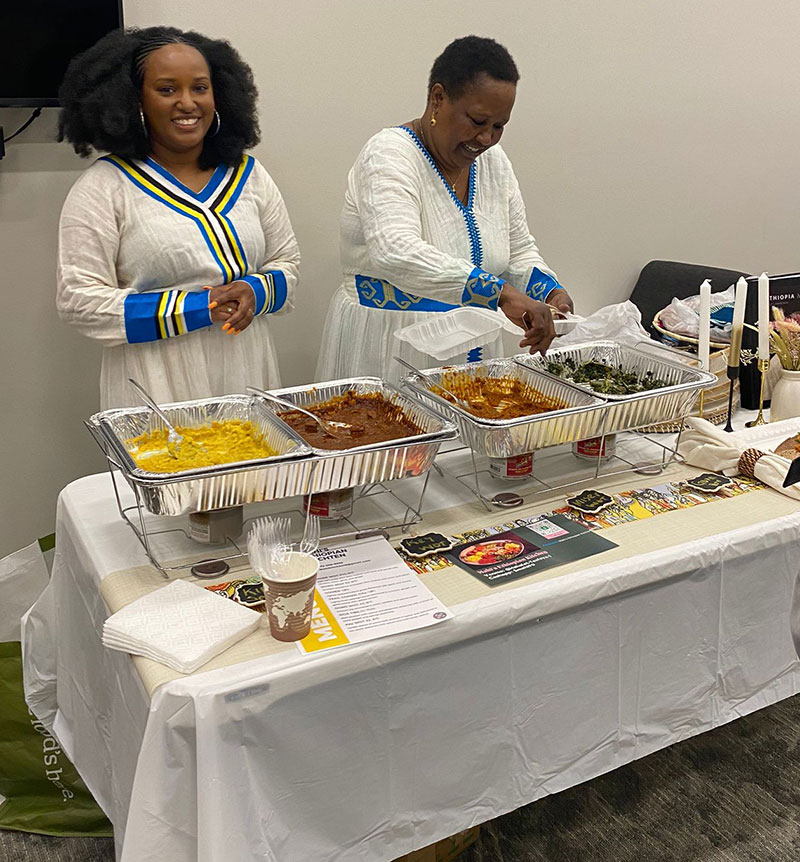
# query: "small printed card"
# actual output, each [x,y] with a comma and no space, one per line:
[590,501]
[426,544]
[709,483]
[244,591]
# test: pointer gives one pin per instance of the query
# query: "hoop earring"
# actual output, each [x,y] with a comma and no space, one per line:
[219,125]
[144,124]
[433,119]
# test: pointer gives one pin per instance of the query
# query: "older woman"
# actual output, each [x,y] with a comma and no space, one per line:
[433,219]
[176,247]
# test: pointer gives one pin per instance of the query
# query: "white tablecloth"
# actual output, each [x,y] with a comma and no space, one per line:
[365,753]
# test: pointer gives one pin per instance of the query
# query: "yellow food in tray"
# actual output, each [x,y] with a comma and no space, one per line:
[224,442]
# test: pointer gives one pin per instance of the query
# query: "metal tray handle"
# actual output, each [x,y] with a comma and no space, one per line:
[101,441]
[682,355]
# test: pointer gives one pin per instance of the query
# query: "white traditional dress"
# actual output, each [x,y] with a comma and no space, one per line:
[410,248]
[136,250]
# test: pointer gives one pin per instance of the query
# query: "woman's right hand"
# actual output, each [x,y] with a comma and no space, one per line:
[532,316]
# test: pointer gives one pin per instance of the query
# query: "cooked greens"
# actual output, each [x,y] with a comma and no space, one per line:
[604,378]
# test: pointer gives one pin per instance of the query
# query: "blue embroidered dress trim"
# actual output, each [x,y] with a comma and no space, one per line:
[540,285]
[482,289]
[377,293]
[164,314]
[269,289]
[476,249]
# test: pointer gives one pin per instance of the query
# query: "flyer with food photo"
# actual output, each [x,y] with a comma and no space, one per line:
[544,543]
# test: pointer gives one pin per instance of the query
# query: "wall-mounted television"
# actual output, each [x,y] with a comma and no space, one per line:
[38,38]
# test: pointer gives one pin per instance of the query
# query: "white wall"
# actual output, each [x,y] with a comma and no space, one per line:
[642,130]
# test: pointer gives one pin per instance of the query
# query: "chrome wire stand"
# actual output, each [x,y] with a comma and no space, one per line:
[231,552]
[534,487]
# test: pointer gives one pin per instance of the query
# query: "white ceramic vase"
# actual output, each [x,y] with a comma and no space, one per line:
[785,396]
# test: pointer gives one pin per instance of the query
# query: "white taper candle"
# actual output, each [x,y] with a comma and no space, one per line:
[704,322]
[738,323]
[763,316]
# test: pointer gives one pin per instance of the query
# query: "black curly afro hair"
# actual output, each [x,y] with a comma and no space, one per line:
[100,96]
[465,59]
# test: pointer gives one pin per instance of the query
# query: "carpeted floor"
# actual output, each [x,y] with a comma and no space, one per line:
[732,795]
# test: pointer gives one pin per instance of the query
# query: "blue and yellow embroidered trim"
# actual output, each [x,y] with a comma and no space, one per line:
[211,217]
[540,285]
[153,316]
[269,289]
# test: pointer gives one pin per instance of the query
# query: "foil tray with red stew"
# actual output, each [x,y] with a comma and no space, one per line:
[413,431]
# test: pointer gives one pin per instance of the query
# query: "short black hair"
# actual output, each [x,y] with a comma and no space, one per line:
[465,59]
[100,96]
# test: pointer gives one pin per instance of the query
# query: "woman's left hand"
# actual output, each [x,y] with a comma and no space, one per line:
[239,296]
[560,299]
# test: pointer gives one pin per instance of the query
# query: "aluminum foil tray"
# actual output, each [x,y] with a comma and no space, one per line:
[502,438]
[377,462]
[670,403]
[209,487]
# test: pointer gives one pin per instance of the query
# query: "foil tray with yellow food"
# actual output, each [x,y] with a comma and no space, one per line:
[234,451]
[504,409]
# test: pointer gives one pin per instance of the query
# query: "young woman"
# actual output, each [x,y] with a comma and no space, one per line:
[176,247]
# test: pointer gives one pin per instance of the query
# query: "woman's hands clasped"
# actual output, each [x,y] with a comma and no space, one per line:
[233,305]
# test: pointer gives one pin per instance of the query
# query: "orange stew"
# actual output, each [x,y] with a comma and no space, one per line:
[496,397]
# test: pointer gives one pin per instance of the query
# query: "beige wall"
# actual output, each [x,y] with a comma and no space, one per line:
[642,130]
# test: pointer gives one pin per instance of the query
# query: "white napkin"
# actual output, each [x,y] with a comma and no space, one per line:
[181,625]
[704,445]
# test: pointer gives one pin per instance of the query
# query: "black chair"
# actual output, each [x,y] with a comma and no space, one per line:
[661,280]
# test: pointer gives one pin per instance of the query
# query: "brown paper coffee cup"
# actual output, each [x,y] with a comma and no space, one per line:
[290,599]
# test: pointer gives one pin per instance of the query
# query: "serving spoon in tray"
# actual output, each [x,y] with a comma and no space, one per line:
[328,426]
[174,439]
[460,402]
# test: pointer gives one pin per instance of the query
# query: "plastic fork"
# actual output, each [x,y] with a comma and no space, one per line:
[258,548]
[310,541]
[278,545]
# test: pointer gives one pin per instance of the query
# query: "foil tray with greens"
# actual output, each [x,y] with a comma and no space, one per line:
[603,378]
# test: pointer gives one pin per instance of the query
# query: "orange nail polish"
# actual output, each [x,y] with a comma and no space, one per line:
[212,305]
[225,326]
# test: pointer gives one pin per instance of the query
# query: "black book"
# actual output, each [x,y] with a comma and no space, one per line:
[784,293]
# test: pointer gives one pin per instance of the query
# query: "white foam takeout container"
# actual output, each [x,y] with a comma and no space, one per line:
[450,333]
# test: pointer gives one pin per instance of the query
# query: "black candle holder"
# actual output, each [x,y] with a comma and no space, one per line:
[733,374]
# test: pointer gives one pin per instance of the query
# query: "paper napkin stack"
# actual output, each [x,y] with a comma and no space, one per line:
[181,625]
